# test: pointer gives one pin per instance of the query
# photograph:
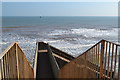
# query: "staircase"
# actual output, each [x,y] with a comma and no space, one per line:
[102,60]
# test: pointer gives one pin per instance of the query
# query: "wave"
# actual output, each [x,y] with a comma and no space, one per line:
[88,32]
[3,43]
[73,41]
[96,32]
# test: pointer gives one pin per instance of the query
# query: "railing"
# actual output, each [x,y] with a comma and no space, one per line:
[41,48]
[61,57]
[13,63]
[35,60]
[100,61]
[61,53]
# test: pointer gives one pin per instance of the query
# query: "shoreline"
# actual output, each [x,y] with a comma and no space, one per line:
[17,27]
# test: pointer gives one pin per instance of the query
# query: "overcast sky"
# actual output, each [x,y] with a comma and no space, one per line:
[59,8]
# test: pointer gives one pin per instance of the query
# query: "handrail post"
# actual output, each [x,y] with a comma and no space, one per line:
[102,58]
[53,62]
[85,73]
[35,60]
[119,64]
[17,61]
[0,70]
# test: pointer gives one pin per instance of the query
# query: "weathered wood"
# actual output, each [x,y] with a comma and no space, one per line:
[15,64]
[85,69]
[112,61]
[98,61]
[119,66]
[92,55]
[102,59]
[35,60]
[2,74]
[108,59]
[105,59]
[4,67]
[0,70]
[17,61]
[96,57]
[12,66]
[61,57]
[42,51]
[61,53]
[7,49]
[28,71]
[115,60]
[93,65]
[8,63]
[21,61]
[54,64]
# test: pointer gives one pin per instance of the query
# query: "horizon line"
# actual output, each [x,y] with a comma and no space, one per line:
[60,16]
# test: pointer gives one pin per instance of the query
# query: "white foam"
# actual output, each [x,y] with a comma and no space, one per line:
[73,46]
[59,32]
[95,32]
[1,43]
[53,41]
[89,33]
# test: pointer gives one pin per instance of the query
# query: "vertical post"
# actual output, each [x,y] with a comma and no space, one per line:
[98,59]
[17,60]
[102,58]
[85,73]
[0,70]
[108,60]
[53,62]
[92,55]
[115,61]
[35,60]
[105,60]
[4,66]
[119,65]
[111,73]
[96,55]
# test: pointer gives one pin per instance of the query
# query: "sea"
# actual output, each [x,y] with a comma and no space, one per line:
[72,34]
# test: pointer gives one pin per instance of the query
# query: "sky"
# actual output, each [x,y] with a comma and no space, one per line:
[59,8]
[59,0]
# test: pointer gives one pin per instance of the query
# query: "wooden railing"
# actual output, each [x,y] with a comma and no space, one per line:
[100,61]
[13,63]
[35,60]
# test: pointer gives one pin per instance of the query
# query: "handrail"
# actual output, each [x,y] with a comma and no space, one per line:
[13,63]
[7,49]
[61,53]
[35,60]
[44,57]
[100,61]
[53,62]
